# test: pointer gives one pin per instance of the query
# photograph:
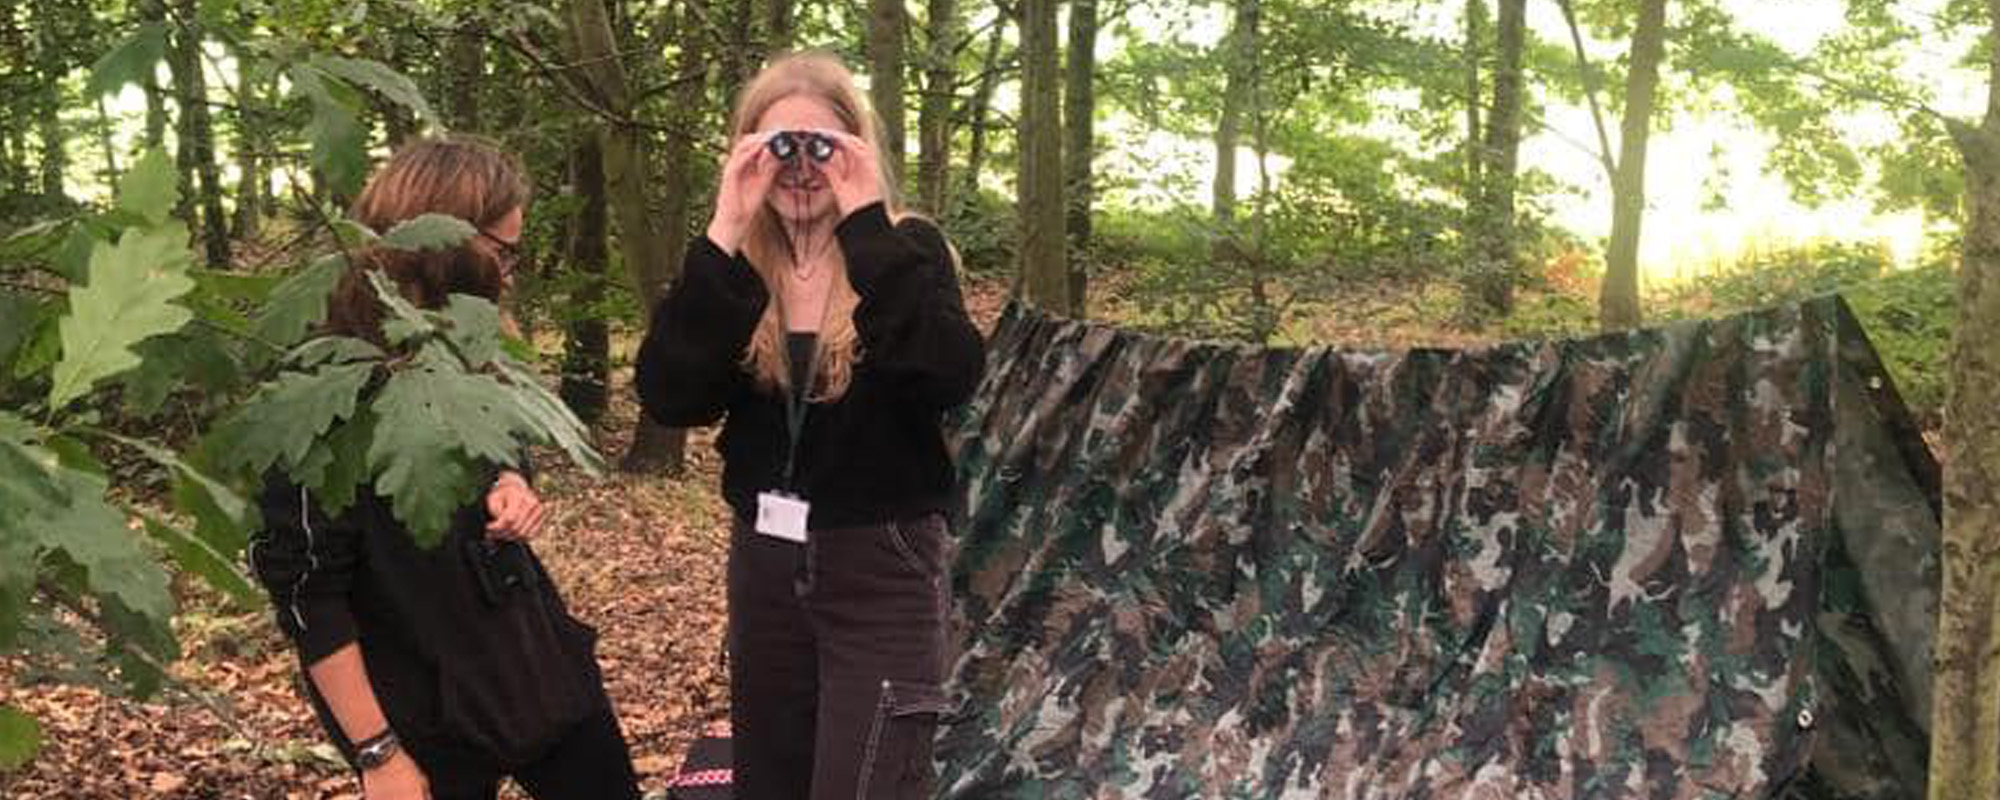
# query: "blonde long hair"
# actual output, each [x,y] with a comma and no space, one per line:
[820,76]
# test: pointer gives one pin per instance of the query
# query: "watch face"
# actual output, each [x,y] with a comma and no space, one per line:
[376,754]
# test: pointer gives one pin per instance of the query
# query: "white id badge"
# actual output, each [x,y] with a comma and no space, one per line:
[782,516]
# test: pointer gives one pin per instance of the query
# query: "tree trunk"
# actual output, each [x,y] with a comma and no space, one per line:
[1043,268]
[1266,314]
[1494,268]
[742,54]
[886,25]
[196,148]
[1618,301]
[466,66]
[781,24]
[587,347]
[1238,48]
[1965,717]
[1239,53]
[981,108]
[156,102]
[252,181]
[1475,21]
[649,257]
[934,116]
[398,123]
[105,128]
[55,149]
[1079,146]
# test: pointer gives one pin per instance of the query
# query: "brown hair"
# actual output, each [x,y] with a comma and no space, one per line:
[820,76]
[463,176]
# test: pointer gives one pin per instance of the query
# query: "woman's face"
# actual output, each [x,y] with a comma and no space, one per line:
[800,193]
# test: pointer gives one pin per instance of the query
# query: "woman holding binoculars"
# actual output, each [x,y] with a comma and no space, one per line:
[825,327]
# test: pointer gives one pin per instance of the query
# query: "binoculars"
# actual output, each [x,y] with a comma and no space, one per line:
[786,145]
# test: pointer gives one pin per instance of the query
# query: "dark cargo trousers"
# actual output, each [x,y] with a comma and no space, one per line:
[837,652]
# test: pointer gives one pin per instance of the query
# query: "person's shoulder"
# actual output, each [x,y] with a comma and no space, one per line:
[922,228]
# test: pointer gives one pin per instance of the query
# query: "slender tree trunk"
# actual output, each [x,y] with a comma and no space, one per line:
[1965,717]
[587,349]
[252,181]
[981,107]
[1043,268]
[1079,146]
[466,66]
[743,54]
[1494,271]
[10,160]
[1475,21]
[781,24]
[1239,49]
[934,127]
[649,256]
[55,147]
[1618,302]
[1268,315]
[398,123]
[196,150]
[1237,52]
[652,442]
[154,11]
[105,127]
[887,23]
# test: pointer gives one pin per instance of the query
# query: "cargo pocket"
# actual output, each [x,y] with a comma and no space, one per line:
[896,763]
[919,544]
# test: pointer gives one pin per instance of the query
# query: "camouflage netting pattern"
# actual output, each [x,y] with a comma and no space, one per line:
[1690,562]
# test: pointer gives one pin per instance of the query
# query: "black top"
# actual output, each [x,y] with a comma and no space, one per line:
[876,454]
[800,348]
[467,643]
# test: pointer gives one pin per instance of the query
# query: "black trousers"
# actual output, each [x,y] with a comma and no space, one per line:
[592,762]
[837,661]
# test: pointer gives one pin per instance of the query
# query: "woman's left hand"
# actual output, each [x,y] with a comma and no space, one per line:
[854,173]
[516,510]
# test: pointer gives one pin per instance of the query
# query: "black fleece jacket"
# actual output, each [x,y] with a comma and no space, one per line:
[466,645]
[877,453]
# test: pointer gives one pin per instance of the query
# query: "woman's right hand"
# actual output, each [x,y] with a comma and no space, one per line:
[746,181]
[398,779]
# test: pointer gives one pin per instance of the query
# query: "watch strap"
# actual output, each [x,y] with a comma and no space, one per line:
[376,750]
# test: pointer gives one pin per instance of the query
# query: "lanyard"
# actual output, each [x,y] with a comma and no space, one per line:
[795,410]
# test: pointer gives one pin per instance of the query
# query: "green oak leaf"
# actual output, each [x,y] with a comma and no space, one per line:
[20,739]
[439,414]
[339,141]
[128,299]
[151,188]
[279,424]
[299,303]
[429,232]
[383,80]
[197,555]
[94,535]
[474,329]
[131,61]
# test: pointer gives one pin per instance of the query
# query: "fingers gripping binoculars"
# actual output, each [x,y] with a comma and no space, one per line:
[787,145]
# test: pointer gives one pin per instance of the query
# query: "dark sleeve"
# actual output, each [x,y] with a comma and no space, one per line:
[306,563]
[911,319]
[524,464]
[690,365]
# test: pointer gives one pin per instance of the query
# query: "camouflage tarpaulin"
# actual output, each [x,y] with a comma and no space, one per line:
[1691,562]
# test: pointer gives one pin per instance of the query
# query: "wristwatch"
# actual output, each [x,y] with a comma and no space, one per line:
[376,750]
